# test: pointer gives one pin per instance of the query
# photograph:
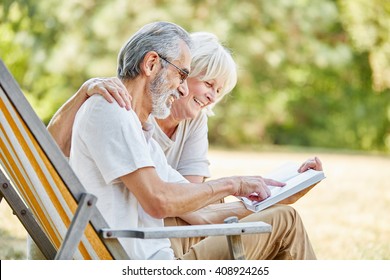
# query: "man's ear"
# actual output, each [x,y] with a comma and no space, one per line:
[151,63]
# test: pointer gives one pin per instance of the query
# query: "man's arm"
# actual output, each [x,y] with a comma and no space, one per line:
[60,126]
[161,199]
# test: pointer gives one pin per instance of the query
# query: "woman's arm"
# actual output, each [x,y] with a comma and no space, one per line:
[195,179]
[216,213]
[60,126]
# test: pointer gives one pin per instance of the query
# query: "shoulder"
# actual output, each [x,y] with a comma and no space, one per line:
[98,104]
[98,114]
[198,123]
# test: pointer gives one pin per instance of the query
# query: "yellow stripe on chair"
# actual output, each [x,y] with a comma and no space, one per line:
[40,185]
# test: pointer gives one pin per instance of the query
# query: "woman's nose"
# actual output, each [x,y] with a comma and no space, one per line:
[183,89]
[211,95]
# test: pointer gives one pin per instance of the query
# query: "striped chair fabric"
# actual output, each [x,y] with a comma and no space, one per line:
[32,174]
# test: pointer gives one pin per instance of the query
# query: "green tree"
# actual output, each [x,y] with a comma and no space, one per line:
[312,73]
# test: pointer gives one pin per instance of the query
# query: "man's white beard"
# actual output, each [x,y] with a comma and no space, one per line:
[161,106]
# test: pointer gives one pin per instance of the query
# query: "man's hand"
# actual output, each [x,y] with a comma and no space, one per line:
[256,187]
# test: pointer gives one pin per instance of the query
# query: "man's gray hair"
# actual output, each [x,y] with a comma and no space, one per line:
[161,37]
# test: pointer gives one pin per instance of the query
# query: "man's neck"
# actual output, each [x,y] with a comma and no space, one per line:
[140,102]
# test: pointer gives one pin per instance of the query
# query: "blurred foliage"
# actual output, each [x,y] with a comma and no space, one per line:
[311,72]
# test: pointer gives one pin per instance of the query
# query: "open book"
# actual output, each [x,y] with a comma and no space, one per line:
[295,182]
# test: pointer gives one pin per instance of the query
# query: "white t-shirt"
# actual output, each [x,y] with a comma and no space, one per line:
[187,151]
[107,143]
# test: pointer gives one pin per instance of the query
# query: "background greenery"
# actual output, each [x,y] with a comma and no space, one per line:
[311,72]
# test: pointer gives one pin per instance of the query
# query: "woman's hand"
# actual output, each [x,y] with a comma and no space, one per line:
[311,163]
[112,89]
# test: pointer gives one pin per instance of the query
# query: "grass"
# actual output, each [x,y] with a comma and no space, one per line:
[346,215]
[12,235]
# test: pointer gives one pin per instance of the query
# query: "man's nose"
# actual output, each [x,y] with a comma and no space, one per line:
[183,89]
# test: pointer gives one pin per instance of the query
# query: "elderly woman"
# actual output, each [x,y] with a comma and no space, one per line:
[183,137]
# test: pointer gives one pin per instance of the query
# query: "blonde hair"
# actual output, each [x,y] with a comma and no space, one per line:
[211,60]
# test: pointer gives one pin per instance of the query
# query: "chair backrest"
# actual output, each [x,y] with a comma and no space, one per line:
[42,176]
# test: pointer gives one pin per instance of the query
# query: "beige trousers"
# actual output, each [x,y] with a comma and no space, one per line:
[287,241]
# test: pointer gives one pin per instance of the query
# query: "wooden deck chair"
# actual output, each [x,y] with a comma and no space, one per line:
[51,203]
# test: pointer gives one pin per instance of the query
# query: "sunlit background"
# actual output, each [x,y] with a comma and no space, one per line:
[314,78]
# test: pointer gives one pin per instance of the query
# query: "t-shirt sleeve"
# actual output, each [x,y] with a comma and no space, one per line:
[115,140]
[175,177]
[194,160]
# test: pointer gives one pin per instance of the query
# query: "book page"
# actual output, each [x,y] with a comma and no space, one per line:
[283,174]
[293,181]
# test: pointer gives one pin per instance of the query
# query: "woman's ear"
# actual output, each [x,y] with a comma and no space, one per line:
[151,63]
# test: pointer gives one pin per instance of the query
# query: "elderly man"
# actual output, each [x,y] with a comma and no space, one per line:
[115,157]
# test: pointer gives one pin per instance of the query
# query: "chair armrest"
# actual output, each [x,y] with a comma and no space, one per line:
[187,231]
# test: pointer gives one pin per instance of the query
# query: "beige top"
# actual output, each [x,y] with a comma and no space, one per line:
[187,151]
